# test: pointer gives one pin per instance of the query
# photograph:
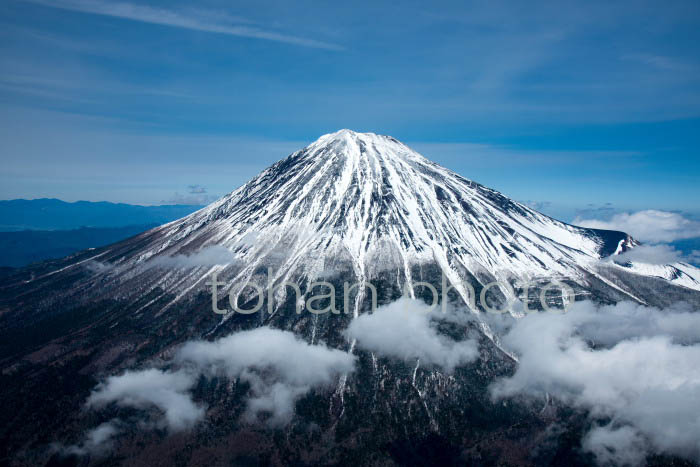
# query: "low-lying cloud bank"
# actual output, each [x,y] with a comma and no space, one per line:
[634,369]
[405,329]
[633,365]
[279,367]
[648,226]
[655,229]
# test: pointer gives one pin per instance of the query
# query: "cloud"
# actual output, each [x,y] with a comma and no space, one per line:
[102,434]
[650,254]
[96,441]
[662,62]
[164,390]
[98,267]
[625,362]
[279,367]
[538,205]
[196,189]
[208,256]
[404,329]
[615,446]
[648,226]
[194,19]
[196,195]
[694,257]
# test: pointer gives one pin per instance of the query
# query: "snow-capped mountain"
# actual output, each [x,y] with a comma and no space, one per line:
[363,205]
[351,207]
[371,203]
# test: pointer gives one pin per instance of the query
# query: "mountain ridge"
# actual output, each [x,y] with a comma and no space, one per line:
[350,207]
[378,181]
[56,214]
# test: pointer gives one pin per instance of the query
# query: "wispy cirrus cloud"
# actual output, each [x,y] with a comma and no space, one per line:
[662,62]
[194,19]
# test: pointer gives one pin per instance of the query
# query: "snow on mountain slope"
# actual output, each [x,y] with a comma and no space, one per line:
[349,207]
[371,202]
[356,205]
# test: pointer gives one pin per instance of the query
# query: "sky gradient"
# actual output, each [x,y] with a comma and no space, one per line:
[566,105]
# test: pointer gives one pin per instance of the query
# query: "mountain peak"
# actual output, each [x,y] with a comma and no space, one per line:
[347,133]
[364,206]
[371,200]
[346,145]
[355,137]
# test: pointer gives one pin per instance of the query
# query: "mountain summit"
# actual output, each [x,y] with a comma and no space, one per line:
[364,206]
[369,204]
[352,208]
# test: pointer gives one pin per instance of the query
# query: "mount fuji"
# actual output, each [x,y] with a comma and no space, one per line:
[350,207]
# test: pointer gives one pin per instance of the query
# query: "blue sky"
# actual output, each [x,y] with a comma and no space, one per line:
[574,104]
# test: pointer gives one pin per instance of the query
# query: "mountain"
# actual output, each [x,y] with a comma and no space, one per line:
[54,214]
[349,208]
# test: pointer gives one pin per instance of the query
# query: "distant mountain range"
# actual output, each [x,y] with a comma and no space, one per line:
[54,214]
[40,229]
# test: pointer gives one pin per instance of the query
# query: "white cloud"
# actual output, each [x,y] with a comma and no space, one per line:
[196,189]
[207,256]
[96,442]
[620,446]
[404,329]
[101,435]
[648,226]
[167,391]
[199,20]
[650,254]
[633,364]
[279,367]
[192,199]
